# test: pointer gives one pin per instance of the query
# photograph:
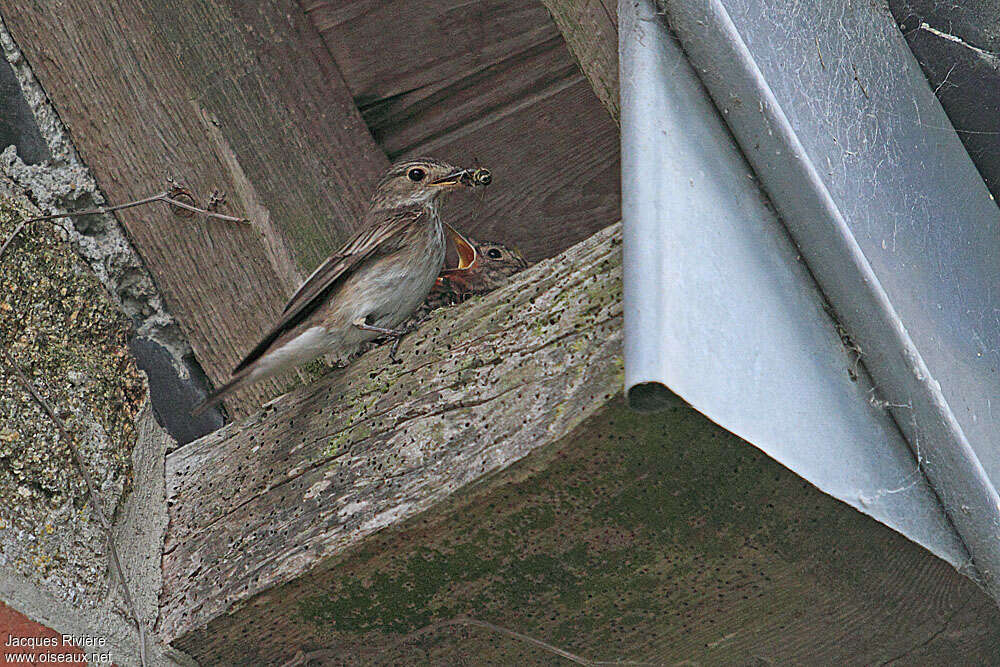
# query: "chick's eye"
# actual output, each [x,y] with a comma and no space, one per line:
[493,253]
[416,174]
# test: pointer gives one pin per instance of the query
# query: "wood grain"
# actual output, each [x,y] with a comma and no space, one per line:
[260,502]
[490,82]
[393,54]
[556,173]
[659,539]
[230,95]
[590,28]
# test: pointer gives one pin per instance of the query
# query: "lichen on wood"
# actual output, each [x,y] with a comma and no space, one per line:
[496,474]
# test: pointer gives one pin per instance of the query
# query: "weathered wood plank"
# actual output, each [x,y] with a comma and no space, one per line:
[280,86]
[659,539]
[396,54]
[490,82]
[411,122]
[556,171]
[229,95]
[590,28]
[263,501]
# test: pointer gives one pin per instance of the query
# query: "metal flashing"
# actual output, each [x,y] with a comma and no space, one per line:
[890,214]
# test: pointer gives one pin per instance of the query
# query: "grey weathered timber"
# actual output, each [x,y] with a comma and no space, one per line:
[236,96]
[590,28]
[497,475]
[262,501]
[658,539]
[457,64]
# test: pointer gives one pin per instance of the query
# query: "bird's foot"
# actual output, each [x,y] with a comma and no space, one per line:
[395,334]
[394,349]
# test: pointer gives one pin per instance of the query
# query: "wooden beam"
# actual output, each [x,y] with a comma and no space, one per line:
[230,95]
[262,502]
[457,64]
[590,28]
[496,475]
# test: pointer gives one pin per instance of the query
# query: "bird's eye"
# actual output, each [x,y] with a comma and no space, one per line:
[416,174]
[493,253]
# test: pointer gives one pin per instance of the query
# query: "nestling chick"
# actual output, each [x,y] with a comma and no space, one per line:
[371,285]
[492,268]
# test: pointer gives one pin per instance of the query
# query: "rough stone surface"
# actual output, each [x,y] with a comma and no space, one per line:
[60,325]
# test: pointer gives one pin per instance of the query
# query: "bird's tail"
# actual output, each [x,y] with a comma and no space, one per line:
[222,392]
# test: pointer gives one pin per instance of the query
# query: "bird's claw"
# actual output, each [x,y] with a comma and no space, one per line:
[395,334]
[394,349]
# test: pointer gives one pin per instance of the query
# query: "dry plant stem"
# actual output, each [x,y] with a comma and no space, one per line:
[163,197]
[302,658]
[95,499]
[580,660]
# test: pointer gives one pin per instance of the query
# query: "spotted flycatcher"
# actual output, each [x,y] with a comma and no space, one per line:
[372,284]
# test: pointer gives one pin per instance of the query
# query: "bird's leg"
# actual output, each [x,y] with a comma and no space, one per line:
[394,349]
[395,334]
[409,326]
[364,326]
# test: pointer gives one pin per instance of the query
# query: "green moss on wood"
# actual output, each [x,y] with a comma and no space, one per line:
[626,542]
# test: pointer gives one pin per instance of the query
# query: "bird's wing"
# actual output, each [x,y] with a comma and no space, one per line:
[380,237]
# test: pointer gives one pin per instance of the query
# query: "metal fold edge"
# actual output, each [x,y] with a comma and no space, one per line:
[728,70]
[721,311]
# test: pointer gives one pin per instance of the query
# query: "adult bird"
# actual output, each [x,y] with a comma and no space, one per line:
[371,285]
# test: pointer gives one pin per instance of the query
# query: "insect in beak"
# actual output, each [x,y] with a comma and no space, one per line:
[467,177]
[482,177]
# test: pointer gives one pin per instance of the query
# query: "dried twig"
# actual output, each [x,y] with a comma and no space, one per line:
[95,499]
[164,197]
[302,658]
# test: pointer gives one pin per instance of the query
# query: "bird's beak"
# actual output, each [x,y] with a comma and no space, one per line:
[457,177]
[467,256]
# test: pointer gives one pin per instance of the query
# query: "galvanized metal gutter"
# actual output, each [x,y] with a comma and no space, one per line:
[891,219]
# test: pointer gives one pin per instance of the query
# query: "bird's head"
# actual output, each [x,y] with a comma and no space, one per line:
[423,180]
[501,258]
[483,266]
